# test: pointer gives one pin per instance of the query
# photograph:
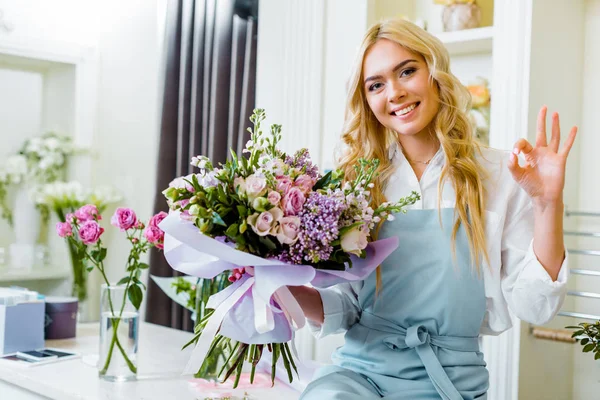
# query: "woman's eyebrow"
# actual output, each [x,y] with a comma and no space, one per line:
[396,68]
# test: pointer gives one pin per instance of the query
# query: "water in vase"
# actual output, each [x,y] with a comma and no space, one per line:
[118,352]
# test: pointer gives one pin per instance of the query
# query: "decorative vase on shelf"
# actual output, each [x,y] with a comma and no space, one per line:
[459,16]
[119,325]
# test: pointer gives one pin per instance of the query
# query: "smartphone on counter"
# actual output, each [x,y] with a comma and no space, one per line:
[36,355]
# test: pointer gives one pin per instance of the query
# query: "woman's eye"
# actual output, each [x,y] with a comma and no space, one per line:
[407,72]
[374,86]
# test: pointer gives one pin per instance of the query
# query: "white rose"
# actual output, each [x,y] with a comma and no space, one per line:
[262,223]
[256,186]
[354,241]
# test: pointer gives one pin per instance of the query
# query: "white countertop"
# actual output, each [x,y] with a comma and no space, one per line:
[160,362]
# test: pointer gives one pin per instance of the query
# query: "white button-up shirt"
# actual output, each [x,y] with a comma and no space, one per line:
[515,280]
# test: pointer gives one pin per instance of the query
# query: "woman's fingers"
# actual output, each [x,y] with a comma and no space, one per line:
[522,146]
[555,139]
[569,142]
[540,137]
[515,169]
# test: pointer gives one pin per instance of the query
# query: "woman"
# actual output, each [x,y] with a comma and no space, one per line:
[485,237]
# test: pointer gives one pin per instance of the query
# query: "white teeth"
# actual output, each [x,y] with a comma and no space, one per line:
[406,110]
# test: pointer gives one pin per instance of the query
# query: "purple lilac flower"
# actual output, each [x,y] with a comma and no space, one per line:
[318,228]
[300,160]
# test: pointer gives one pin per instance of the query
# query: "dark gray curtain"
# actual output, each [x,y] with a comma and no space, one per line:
[208,96]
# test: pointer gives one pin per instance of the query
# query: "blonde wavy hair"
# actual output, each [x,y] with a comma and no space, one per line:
[364,136]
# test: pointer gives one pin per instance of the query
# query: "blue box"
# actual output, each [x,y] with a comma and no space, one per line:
[21,324]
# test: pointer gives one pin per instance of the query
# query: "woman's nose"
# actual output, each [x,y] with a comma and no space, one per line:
[396,92]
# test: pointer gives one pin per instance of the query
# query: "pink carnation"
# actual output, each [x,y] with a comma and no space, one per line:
[63,229]
[155,236]
[124,218]
[88,212]
[89,232]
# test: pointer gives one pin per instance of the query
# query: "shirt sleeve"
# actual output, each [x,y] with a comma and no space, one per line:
[530,292]
[340,307]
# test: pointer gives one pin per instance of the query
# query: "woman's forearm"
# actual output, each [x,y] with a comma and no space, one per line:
[310,302]
[548,243]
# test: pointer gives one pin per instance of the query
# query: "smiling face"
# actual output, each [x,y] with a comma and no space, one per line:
[398,88]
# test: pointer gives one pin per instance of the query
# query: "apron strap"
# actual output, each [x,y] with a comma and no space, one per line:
[417,337]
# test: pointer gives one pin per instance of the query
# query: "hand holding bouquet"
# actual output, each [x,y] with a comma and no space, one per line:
[274,221]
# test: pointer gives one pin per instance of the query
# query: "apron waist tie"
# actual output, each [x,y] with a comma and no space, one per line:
[417,337]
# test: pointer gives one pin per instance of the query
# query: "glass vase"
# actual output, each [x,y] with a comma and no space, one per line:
[119,326]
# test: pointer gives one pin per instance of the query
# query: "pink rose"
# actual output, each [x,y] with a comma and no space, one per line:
[156,219]
[155,236]
[262,223]
[87,213]
[63,229]
[284,183]
[304,183]
[287,231]
[69,217]
[274,197]
[90,231]
[293,202]
[124,218]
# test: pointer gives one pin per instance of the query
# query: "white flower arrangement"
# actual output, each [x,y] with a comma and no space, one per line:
[41,160]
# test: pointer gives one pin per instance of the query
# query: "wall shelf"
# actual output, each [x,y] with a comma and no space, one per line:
[35,274]
[468,41]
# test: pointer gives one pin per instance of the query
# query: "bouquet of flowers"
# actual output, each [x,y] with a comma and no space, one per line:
[272,220]
[83,231]
[64,198]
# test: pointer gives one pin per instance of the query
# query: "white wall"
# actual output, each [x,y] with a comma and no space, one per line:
[557,36]
[586,371]
[126,35]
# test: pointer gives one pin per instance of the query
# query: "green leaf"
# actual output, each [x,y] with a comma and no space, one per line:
[578,333]
[597,356]
[90,267]
[585,341]
[588,347]
[143,266]
[123,281]
[232,231]
[324,181]
[135,296]
[267,242]
[102,254]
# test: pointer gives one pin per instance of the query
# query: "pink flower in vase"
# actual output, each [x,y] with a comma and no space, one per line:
[89,232]
[88,212]
[124,218]
[157,219]
[155,236]
[64,229]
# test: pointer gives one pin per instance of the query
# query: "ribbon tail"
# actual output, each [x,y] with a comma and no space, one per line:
[212,328]
[263,315]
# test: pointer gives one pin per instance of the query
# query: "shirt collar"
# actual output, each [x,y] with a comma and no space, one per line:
[396,155]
